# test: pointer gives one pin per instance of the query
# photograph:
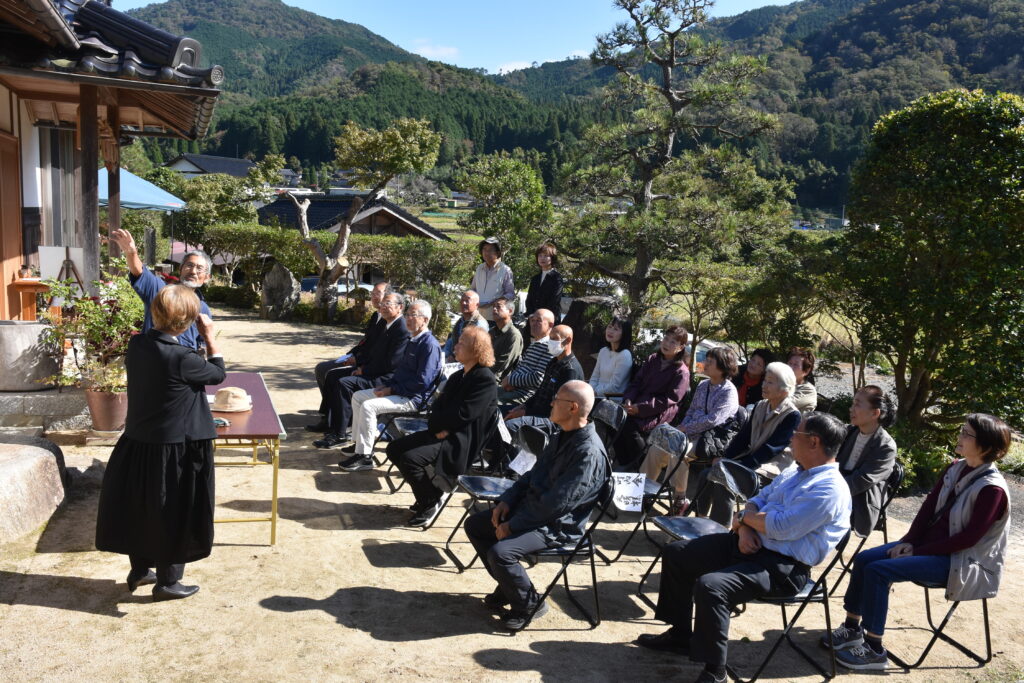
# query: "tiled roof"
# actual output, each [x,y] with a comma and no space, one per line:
[238,168]
[324,212]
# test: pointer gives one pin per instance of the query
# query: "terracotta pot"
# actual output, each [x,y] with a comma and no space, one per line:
[108,409]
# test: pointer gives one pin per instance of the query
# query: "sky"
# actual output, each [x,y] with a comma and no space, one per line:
[496,36]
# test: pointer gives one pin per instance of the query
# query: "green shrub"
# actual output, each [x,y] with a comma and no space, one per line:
[925,453]
[239,297]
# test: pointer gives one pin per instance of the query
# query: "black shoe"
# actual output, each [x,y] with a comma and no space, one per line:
[320,426]
[142,578]
[665,642]
[425,516]
[357,463]
[496,600]
[708,677]
[330,441]
[349,450]
[176,591]
[516,620]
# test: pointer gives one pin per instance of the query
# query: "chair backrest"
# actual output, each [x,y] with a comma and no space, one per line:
[893,483]
[669,439]
[447,370]
[532,440]
[741,481]
[609,417]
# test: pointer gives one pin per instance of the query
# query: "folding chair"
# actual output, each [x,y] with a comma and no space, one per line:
[674,442]
[892,485]
[416,420]
[489,489]
[566,554]
[813,591]
[741,481]
[609,418]
[938,632]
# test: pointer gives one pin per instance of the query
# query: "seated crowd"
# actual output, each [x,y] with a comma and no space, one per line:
[819,479]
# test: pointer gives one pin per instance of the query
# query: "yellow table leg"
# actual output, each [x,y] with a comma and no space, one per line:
[275,456]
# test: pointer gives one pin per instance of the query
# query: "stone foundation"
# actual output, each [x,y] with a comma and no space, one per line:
[32,481]
[48,409]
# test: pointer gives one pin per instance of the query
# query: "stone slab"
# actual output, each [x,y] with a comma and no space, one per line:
[31,488]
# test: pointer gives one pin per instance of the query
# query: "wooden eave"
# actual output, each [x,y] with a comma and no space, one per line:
[145,108]
[41,20]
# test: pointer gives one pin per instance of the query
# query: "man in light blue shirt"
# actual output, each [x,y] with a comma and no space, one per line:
[792,525]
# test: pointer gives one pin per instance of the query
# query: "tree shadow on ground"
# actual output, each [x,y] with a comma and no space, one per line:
[335,480]
[397,616]
[409,554]
[606,661]
[326,516]
[79,594]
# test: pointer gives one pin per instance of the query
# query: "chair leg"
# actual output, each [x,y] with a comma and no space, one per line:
[448,544]
[389,478]
[624,545]
[643,579]
[447,499]
[939,633]
[787,637]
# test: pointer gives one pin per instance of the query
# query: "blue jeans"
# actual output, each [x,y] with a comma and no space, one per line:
[873,574]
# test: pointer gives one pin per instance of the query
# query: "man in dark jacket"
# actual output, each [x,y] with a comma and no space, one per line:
[329,371]
[562,368]
[547,507]
[375,368]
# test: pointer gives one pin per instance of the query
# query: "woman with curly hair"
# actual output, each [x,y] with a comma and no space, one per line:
[432,460]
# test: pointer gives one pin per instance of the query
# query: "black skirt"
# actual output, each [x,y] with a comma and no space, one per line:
[157,501]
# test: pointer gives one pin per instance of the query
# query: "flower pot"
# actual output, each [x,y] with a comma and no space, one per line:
[25,363]
[108,409]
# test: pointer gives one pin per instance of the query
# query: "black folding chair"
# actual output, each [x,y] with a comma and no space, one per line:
[892,485]
[567,554]
[938,632]
[812,592]
[609,418]
[674,442]
[489,489]
[741,481]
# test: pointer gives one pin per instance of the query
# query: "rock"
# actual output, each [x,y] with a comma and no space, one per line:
[25,362]
[280,294]
[588,316]
[32,479]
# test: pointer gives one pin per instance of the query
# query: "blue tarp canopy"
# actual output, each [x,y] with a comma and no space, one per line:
[137,193]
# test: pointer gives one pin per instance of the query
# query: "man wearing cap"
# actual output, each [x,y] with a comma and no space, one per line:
[377,368]
[492,278]
[195,271]
[470,306]
[345,365]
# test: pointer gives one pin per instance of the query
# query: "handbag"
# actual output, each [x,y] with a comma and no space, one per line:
[712,442]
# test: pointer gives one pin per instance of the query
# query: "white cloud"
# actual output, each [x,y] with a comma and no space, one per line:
[444,53]
[508,67]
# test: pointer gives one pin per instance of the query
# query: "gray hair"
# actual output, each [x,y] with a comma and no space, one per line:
[423,306]
[400,298]
[388,289]
[201,254]
[829,429]
[784,375]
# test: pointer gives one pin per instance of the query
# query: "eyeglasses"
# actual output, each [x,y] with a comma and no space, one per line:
[191,265]
[797,431]
[969,435]
[567,400]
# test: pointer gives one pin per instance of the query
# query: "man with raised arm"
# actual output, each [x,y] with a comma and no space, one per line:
[195,271]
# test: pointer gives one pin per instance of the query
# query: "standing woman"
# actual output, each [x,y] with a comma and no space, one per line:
[958,539]
[492,279]
[546,286]
[156,503]
[653,396]
[750,377]
[615,360]
[457,428]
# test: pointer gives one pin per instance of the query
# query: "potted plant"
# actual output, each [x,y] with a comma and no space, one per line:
[94,331]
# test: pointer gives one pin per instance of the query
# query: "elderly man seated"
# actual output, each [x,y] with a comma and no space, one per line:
[792,525]
[376,367]
[520,384]
[196,269]
[469,304]
[547,507]
[403,393]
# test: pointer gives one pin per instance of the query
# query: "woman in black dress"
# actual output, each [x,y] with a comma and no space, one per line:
[156,504]
[432,460]
[546,286]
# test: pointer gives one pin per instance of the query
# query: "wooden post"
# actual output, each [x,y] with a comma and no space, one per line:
[114,178]
[150,244]
[89,137]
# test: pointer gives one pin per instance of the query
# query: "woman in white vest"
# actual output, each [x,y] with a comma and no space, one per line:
[958,539]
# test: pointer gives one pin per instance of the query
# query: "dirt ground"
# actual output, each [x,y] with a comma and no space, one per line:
[348,593]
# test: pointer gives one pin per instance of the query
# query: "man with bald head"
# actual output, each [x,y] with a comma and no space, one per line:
[562,368]
[547,507]
[469,304]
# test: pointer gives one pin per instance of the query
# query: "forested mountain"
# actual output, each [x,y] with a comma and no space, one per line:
[269,48]
[835,67]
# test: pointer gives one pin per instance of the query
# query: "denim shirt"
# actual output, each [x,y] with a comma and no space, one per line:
[807,512]
[147,285]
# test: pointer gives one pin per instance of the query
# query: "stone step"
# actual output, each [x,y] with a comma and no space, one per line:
[32,480]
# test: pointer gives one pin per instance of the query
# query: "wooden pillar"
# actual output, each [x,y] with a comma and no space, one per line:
[114,178]
[11,252]
[89,216]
